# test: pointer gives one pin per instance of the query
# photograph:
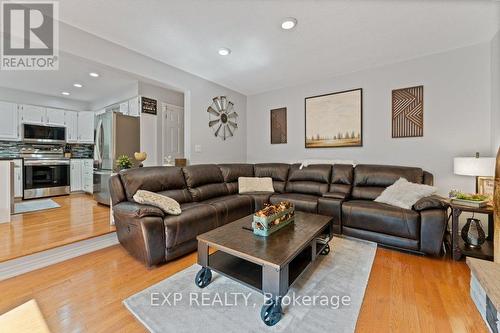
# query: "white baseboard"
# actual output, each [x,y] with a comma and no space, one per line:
[46,258]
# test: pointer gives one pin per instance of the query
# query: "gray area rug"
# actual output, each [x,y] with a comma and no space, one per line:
[338,281]
[34,205]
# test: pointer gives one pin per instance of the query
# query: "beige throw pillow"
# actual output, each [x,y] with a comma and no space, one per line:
[255,184]
[405,194]
[168,205]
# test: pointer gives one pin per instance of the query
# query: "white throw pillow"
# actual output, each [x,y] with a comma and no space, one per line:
[168,205]
[405,194]
[255,184]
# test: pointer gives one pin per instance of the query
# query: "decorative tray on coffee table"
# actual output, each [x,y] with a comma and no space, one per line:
[272,218]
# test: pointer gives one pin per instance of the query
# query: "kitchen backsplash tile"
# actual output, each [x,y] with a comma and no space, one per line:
[13,149]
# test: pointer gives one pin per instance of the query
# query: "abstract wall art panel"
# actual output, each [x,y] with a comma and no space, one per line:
[278,126]
[408,112]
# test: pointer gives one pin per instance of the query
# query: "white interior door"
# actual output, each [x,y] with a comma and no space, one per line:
[173,131]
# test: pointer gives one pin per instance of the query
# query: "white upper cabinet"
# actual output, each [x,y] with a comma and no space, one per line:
[32,114]
[86,127]
[134,107]
[55,117]
[71,126]
[9,126]
[124,108]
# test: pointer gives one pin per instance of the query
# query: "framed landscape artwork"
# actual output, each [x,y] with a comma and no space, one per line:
[278,126]
[334,120]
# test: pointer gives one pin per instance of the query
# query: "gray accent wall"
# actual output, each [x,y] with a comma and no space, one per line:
[495,93]
[457,115]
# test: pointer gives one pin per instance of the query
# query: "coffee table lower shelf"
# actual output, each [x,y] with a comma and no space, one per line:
[271,280]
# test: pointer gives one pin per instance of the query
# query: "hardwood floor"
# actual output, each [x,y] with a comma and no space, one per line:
[78,218]
[405,293]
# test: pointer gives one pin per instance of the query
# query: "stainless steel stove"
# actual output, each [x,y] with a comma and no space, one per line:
[46,171]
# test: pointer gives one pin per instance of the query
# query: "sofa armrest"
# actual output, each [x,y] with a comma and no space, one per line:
[332,207]
[432,228]
[335,195]
[141,231]
[133,209]
[431,202]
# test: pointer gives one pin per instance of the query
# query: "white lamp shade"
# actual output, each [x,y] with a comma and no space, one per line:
[474,166]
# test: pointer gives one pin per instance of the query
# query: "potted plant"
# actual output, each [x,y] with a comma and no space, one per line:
[123,162]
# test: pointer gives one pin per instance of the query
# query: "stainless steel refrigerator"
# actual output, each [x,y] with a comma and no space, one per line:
[115,134]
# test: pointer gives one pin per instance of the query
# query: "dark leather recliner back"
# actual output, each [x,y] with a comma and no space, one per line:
[371,180]
[313,179]
[277,171]
[342,179]
[205,181]
[231,173]
[168,181]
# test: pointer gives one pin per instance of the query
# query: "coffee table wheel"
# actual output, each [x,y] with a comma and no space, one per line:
[203,277]
[326,250]
[271,312]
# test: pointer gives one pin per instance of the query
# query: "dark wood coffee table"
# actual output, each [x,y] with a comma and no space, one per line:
[269,265]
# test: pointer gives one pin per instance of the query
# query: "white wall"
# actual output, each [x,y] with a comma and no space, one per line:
[198,93]
[122,94]
[457,115]
[495,93]
[161,94]
[152,125]
[26,97]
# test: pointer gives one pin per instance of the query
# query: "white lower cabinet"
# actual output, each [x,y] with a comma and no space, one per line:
[81,175]
[18,178]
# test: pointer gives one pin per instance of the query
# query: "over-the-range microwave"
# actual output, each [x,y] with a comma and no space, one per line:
[43,134]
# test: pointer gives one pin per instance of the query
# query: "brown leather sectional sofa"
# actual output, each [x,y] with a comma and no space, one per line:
[209,198]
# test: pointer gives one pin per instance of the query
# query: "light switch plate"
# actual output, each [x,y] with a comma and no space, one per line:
[197,148]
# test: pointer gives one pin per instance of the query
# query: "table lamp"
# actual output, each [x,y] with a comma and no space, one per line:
[474,166]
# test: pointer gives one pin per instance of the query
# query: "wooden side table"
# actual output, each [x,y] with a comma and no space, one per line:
[458,247]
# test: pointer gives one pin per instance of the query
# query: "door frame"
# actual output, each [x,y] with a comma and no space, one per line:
[164,107]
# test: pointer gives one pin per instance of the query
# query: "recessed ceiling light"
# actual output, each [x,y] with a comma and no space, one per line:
[65,93]
[289,23]
[94,74]
[78,85]
[224,51]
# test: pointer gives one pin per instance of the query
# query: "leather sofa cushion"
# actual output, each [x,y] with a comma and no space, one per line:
[259,199]
[229,208]
[303,202]
[277,171]
[313,179]
[342,178]
[231,173]
[371,180]
[320,173]
[167,180]
[382,218]
[195,219]
[205,181]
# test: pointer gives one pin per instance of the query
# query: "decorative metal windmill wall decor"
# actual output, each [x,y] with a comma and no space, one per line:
[222,117]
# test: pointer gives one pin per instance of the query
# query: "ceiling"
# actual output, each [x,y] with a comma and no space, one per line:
[71,70]
[331,38]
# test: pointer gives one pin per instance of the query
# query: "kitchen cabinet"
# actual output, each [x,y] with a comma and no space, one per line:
[9,126]
[18,178]
[75,179]
[86,127]
[124,108]
[88,175]
[134,107]
[71,126]
[55,117]
[32,114]
[81,175]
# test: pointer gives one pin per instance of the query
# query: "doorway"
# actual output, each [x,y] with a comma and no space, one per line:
[173,131]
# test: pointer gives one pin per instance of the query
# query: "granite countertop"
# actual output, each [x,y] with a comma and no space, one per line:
[10,157]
